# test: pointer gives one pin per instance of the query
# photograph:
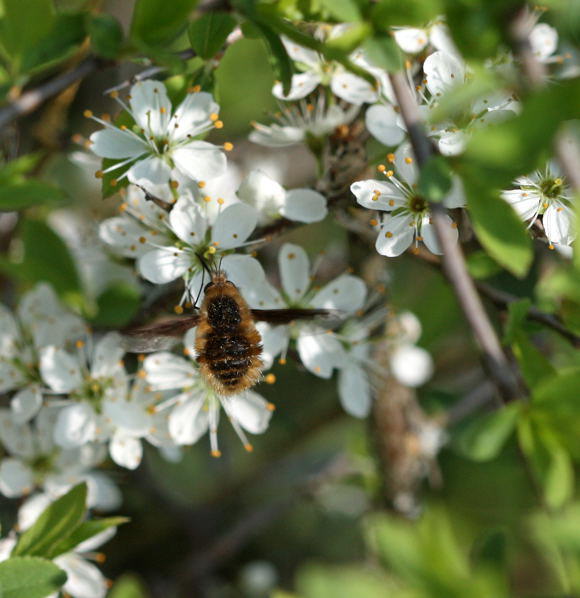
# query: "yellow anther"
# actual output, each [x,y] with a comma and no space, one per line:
[122,207]
[140,357]
[211,250]
[282,361]
[388,234]
[216,454]
[221,201]
[142,374]
[178,309]
[213,117]
[389,173]
[270,406]
[454,225]
[207,199]
[151,410]
[163,110]
[550,246]
[123,127]
[194,89]
[174,184]
[106,117]
[99,174]
[381,168]
[201,184]
[270,379]
[248,447]
[218,124]
[408,160]
[391,202]
[228,146]
[88,113]
[114,94]
[373,222]
[310,107]
[80,344]
[391,158]
[142,239]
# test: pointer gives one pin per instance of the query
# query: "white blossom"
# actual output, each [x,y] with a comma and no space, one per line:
[407,218]
[546,194]
[162,144]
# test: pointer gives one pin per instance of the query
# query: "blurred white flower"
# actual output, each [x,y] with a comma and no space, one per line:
[41,321]
[544,42]
[408,219]
[196,409]
[545,193]
[36,462]
[161,143]
[413,40]
[302,121]
[272,201]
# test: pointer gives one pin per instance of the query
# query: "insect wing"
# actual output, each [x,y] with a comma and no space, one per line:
[285,316]
[158,337]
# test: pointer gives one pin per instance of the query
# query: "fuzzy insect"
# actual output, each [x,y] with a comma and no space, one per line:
[227,343]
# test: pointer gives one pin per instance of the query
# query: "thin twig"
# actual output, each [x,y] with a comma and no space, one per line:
[453,261]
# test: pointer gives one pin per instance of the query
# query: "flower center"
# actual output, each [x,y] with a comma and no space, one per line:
[93,391]
[552,188]
[417,204]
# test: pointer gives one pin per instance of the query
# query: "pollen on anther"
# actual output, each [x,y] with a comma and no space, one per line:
[207,199]
[388,234]
[270,379]
[99,174]
[174,184]
[282,361]
[391,202]
[114,94]
[221,201]
[141,374]
[80,344]
[106,117]
[216,453]
[213,117]
[142,239]
[228,146]
[201,184]
[373,222]
[391,158]
[454,225]
[88,113]
[248,447]
[178,309]
[113,182]
[550,246]
[389,173]
[381,168]
[408,160]
[140,357]
[270,406]
[218,124]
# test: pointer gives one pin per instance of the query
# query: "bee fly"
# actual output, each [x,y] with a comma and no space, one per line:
[227,343]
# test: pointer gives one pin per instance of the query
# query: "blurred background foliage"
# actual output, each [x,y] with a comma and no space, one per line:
[305,514]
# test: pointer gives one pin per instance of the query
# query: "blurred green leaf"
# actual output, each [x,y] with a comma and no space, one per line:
[351,39]
[342,10]
[483,438]
[158,22]
[559,479]
[29,577]
[58,521]
[435,179]
[559,391]
[106,35]
[491,550]
[208,34]
[85,531]
[280,60]
[517,313]
[481,265]
[117,306]
[128,586]
[46,257]
[14,170]
[383,52]
[387,13]
[28,193]
[499,230]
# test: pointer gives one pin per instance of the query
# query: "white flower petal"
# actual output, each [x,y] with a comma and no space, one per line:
[234,225]
[525,203]
[301,54]
[430,237]
[251,411]
[353,89]
[452,143]
[123,235]
[411,365]
[396,235]
[440,39]
[153,175]
[320,351]
[302,85]
[16,438]
[116,144]
[188,422]
[107,355]
[247,274]
[11,377]
[166,371]
[75,426]
[187,221]
[276,135]
[456,196]
[16,478]
[103,494]
[263,193]
[304,205]
[192,116]
[126,450]
[388,198]
[442,72]
[84,580]
[405,164]
[26,403]
[132,416]
[31,510]
[9,333]
[200,160]
[294,268]
[411,40]
[274,341]
[346,293]
[383,124]
[544,40]
[60,370]
[164,265]
[354,390]
[559,224]
[150,107]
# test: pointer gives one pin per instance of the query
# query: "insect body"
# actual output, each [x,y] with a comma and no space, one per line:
[227,343]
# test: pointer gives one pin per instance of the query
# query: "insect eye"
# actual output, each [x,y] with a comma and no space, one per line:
[209,284]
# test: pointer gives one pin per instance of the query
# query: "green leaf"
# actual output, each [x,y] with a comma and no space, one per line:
[559,478]
[351,39]
[517,313]
[83,532]
[435,179]
[281,62]
[534,366]
[117,306]
[57,522]
[560,391]
[106,35]
[340,582]
[383,52]
[481,266]
[483,438]
[342,10]
[46,257]
[29,577]
[208,34]
[499,230]
[13,171]
[128,586]
[159,22]
[386,13]
[18,196]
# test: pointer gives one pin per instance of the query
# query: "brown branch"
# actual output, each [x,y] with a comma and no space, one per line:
[453,260]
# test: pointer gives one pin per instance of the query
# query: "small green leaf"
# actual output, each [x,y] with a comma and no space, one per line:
[559,478]
[281,62]
[481,266]
[483,438]
[560,390]
[315,581]
[435,179]
[128,586]
[116,306]
[534,366]
[208,34]
[342,10]
[106,35]
[46,257]
[29,577]
[159,22]
[499,230]
[517,313]
[57,522]
[383,52]
[83,532]
[18,196]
